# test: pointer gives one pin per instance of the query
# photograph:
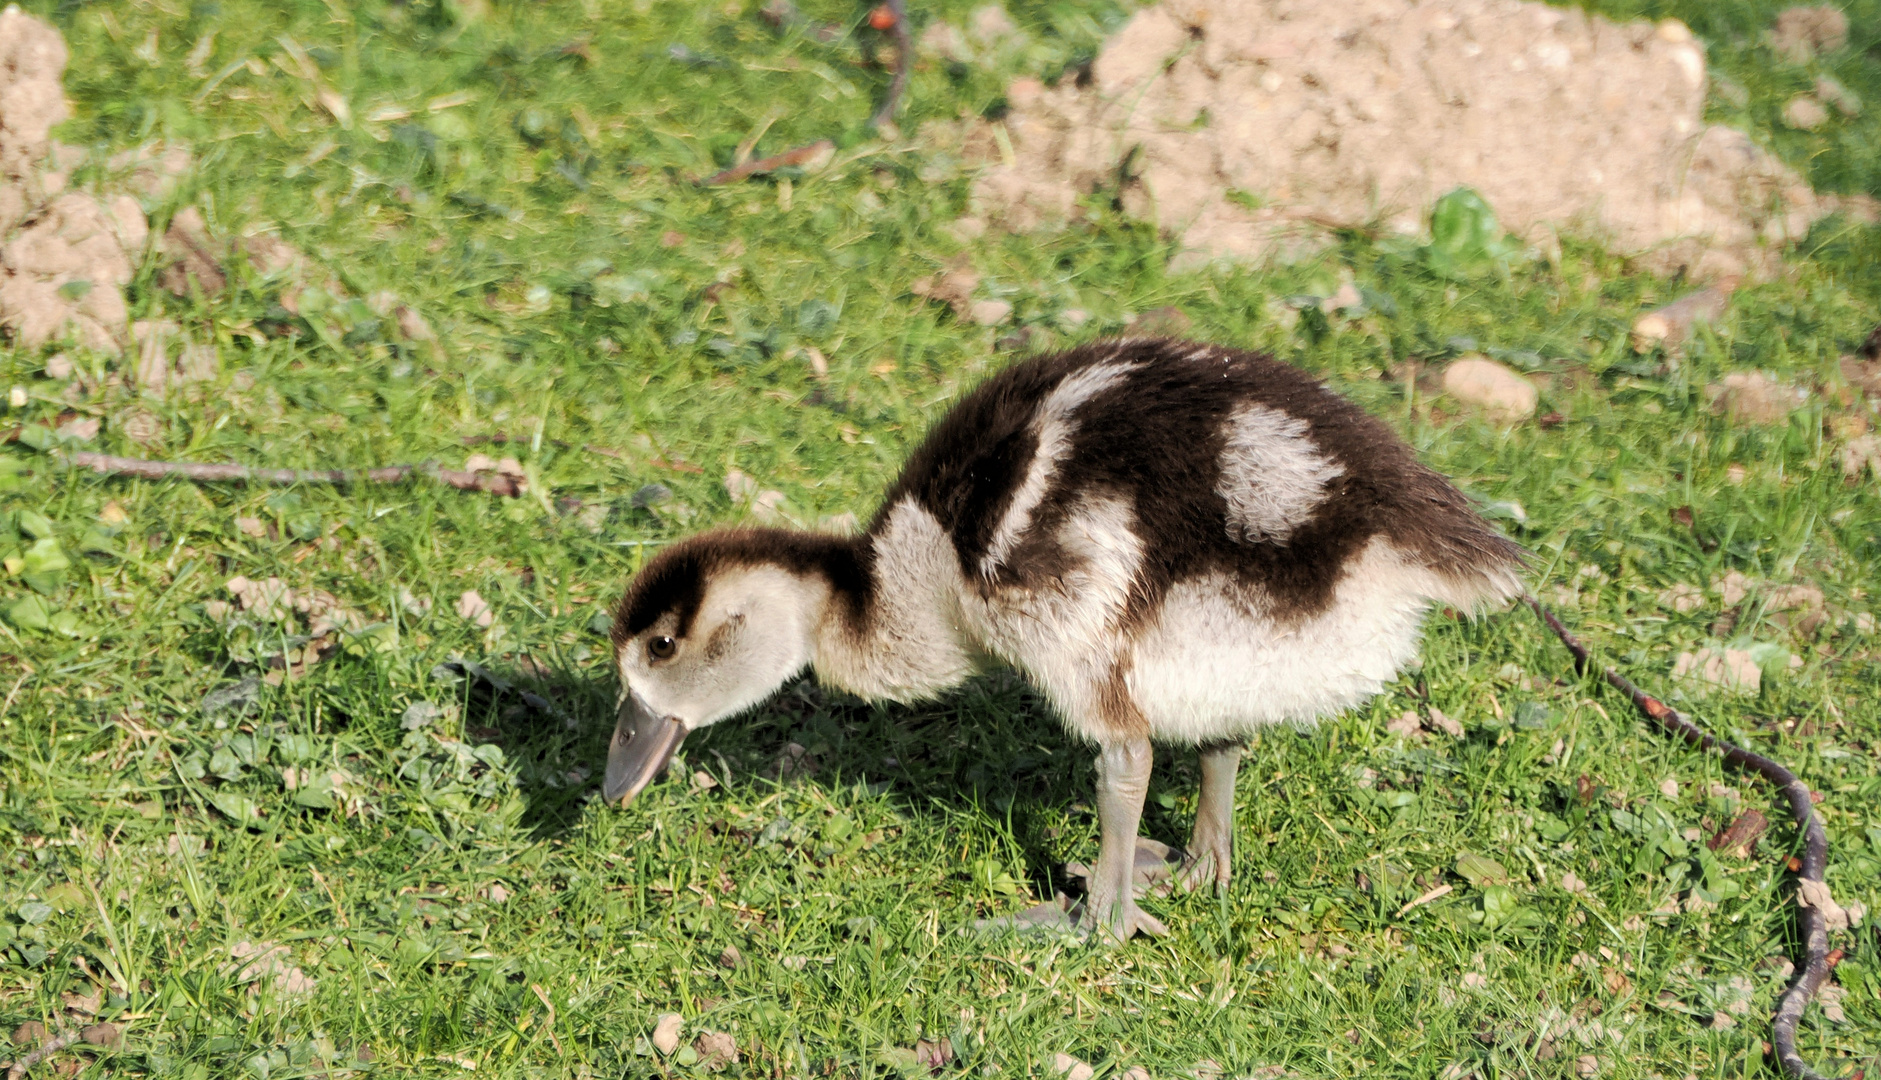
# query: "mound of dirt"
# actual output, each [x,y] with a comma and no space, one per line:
[1247,127]
[65,257]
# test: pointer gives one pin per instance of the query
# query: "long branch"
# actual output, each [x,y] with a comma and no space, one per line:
[206,472]
[1814,923]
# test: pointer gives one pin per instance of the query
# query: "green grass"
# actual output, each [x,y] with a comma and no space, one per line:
[147,838]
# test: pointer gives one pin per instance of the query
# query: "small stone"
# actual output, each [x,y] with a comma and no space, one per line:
[702,781]
[730,957]
[990,24]
[1571,882]
[471,606]
[1669,787]
[413,325]
[740,487]
[109,1036]
[945,41]
[1733,587]
[1683,598]
[1672,324]
[968,228]
[1751,397]
[989,312]
[1805,113]
[79,428]
[251,526]
[31,1033]
[1070,1068]
[1435,720]
[933,1055]
[1863,452]
[496,893]
[1726,669]
[1802,33]
[1501,394]
[58,366]
[1404,725]
[1346,299]
[1586,1065]
[1841,97]
[1829,1000]
[666,1029]
[716,1049]
[141,427]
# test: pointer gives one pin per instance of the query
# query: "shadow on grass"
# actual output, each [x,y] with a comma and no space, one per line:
[991,748]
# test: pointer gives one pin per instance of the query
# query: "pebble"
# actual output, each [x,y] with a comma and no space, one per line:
[666,1032]
[1833,92]
[1672,324]
[1500,393]
[1805,113]
[989,312]
[1751,397]
[1727,669]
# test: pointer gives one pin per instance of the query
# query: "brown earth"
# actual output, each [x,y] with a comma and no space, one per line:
[1246,128]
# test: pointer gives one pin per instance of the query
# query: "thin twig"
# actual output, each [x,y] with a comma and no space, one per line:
[904,63]
[799,156]
[66,1037]
[884,113]
[1813,923]
[206,472]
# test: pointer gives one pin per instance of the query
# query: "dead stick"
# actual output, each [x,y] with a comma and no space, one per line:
[205,472]
[1813,923]
[773,163]
[51,1046]
[904,63]
[885,112]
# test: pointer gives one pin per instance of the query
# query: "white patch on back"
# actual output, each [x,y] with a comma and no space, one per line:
[1053,427]
[1214,665]
[1067,638]
[1272,474]
[913,646]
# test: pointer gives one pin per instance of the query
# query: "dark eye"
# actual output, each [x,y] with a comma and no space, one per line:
[662,647]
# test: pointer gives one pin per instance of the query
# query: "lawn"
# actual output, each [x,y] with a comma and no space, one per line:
[265,851]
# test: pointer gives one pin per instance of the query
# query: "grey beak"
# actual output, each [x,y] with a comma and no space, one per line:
[643,743]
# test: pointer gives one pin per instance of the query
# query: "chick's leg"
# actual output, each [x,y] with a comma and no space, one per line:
[1212,843]
[1123,771]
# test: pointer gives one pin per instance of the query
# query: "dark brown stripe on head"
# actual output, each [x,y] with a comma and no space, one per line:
[674,581]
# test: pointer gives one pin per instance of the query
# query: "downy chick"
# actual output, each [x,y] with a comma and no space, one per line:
[1174,542]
